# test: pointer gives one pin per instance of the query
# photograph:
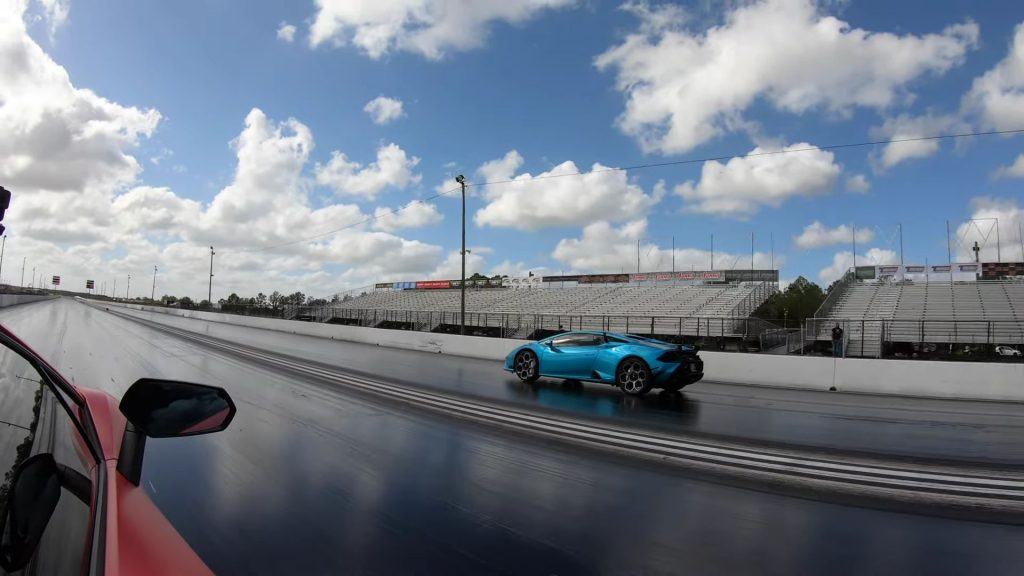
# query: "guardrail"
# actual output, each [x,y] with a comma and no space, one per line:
[866,337]
[516,325]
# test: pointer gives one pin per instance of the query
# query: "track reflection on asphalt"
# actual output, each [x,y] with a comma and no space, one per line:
[309,480]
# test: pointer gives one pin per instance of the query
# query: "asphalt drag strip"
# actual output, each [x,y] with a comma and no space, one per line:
[971,493]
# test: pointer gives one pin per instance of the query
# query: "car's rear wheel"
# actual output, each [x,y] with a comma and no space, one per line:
[526,366]
[633,377]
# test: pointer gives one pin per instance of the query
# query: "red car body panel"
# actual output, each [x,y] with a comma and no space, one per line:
[138,538]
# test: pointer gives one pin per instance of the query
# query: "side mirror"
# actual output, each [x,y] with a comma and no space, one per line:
[30,501]
[168,409]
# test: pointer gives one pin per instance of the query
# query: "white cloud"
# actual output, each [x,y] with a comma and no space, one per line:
[426,27]
[741,186]
[685,87]
[997,96]
[906,126]
[451,267]
[604,248]
[842,261]
[1015,170]
[55,12]
[383,110]
[1004,243]
[57,137]
[416,214]
[393,169]
[528,202]
[816,235]
[858,184]
[286,32]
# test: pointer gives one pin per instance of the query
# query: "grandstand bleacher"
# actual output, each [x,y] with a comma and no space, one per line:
[874,313]
[663,308]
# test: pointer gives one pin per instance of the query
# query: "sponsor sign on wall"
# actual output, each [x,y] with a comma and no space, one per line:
[996,270]
[604,278]
[433,284]
[940,268]
[638,277]
[686,275]
[383,285]
[915,269]
[663,277]
[712,275]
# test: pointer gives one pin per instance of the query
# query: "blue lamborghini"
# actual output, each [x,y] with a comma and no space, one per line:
[633,363]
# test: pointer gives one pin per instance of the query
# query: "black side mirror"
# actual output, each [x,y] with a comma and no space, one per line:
[168,409]
[30,502]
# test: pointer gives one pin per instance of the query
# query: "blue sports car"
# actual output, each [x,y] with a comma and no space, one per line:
[633,363]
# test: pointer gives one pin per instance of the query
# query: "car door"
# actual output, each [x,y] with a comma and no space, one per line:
[572,355]
[36,426]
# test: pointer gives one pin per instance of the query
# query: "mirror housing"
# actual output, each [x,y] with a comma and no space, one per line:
[168,409]
[31,500]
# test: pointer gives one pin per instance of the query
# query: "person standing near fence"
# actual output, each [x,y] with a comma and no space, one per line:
[837,342]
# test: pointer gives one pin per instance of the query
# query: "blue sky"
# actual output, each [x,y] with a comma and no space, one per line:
[531,79]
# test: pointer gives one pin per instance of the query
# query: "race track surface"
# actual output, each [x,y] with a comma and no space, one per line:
[312,479]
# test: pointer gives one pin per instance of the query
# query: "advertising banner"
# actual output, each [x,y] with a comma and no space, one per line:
[997,270]
[969,267]
[712,275]
[663,277]
[940,269]
[686,276]
[888,269]
[604,278]
[865,272]
[638,277]
[561,279]
[383,285]
[915,269]
[433,284]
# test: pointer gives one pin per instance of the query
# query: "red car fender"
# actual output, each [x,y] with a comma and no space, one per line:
[140,540]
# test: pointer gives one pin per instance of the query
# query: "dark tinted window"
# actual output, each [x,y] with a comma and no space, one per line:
[33,421]
[615,340]
[578,340]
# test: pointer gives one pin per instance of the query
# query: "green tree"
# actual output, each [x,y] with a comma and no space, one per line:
[800,300]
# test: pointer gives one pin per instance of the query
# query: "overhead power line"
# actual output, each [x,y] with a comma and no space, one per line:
[634,167]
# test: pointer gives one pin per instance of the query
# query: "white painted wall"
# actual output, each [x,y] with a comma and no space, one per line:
[14,299]
[954,380]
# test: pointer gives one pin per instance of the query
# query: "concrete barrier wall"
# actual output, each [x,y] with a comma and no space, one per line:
[954,380]
[15,299]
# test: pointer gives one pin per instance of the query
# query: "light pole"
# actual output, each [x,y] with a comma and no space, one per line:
[462,285]
[209,294]
[129,288]
[23,259]
[152,293]
[33,284]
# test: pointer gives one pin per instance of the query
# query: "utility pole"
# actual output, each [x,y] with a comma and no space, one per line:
[771,241]
[33,283]
[23,259]
[712,252]
[999,252]
[209,293]
[129,288]
[113,290]
[1020,234]
[949,253]
[673,258]
[853,234]
[462,285]
[152,293]
[751,256]
[638,256]
[901,244]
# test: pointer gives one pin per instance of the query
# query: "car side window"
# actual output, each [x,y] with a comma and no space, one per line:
[614,340]
[578,340]
[564,341]
[33,422]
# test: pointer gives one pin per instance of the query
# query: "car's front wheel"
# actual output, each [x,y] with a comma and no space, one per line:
[526,367]
[633,377]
